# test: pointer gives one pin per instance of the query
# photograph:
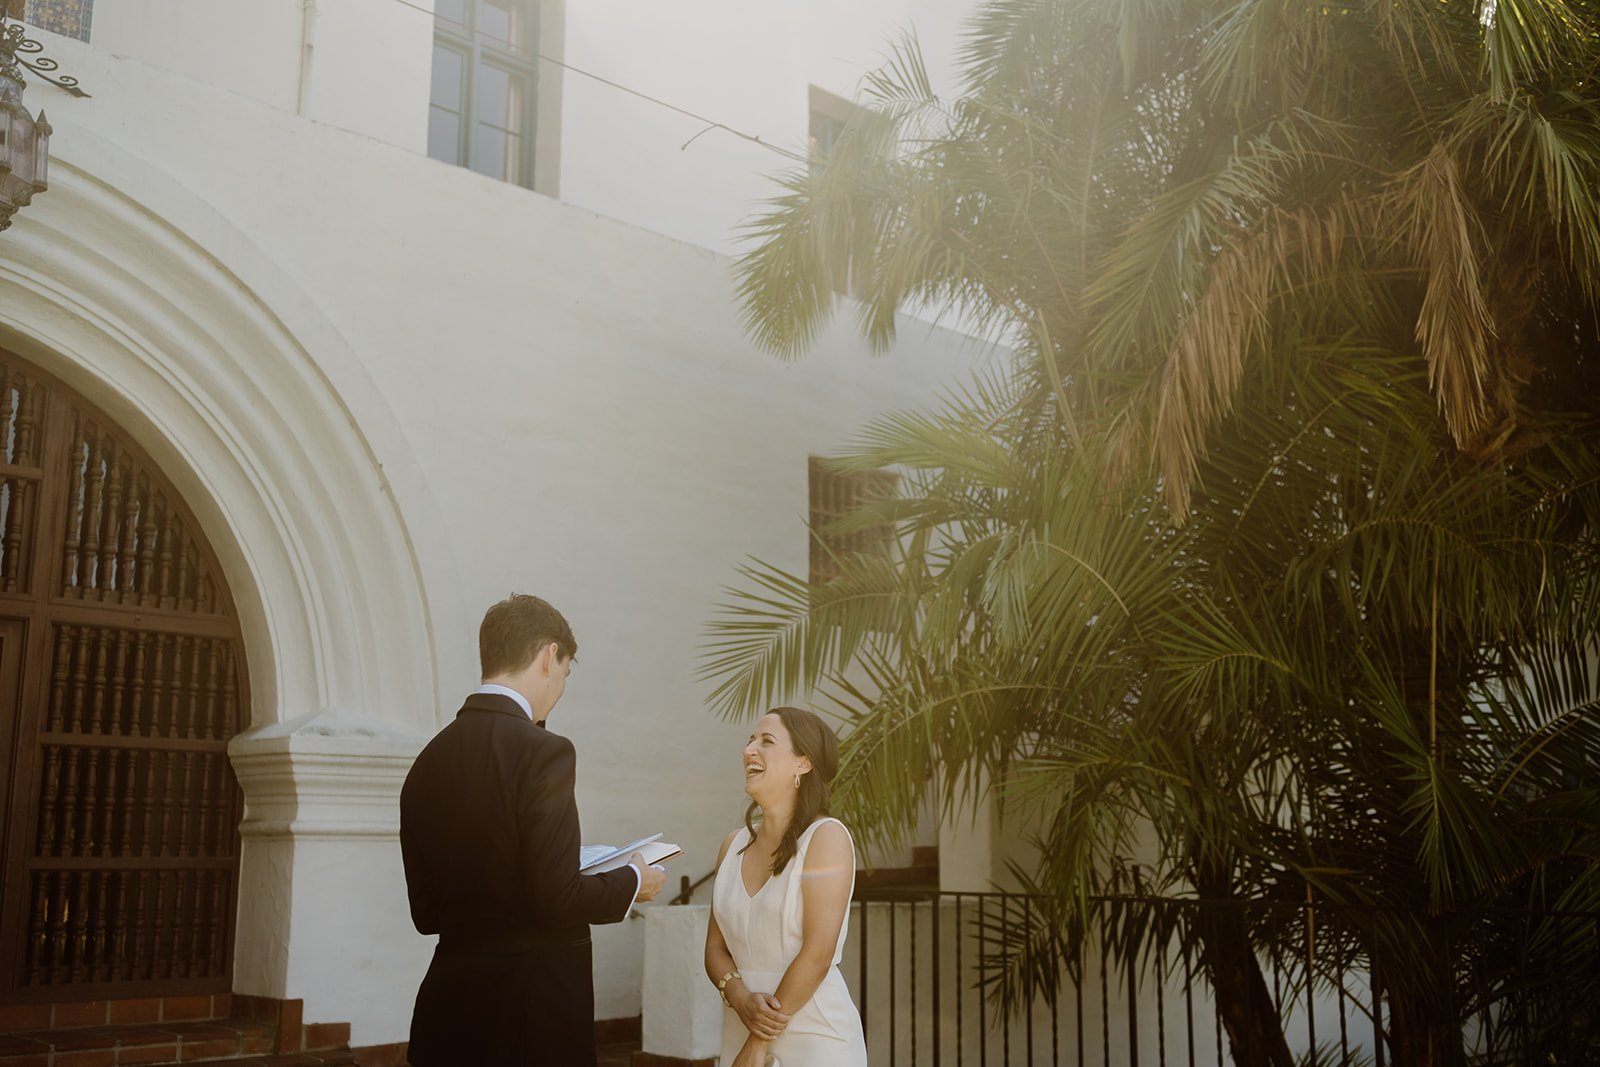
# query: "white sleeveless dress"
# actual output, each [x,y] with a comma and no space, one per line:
[763,933]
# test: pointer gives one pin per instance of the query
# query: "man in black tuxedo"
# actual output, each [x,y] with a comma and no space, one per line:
[489,835]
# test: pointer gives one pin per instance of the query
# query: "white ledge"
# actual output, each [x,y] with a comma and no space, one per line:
[330,731]
[327,774]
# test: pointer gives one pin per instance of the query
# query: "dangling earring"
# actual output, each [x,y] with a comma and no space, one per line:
[797,781]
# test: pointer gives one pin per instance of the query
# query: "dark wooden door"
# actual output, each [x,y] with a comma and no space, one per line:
[121,681]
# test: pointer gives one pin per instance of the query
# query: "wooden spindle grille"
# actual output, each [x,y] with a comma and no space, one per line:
[835,494]
[20,475]
[122,680]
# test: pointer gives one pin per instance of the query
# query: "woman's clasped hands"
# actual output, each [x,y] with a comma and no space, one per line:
[761,1014]
[764,1017]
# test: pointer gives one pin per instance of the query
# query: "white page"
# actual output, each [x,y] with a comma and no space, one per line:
[590,855]
[652,851]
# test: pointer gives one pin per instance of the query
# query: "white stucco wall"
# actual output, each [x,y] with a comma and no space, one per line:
[364,65]
[554,401]
[746,65]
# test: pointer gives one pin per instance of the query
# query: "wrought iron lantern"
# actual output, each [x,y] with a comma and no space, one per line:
[24,140]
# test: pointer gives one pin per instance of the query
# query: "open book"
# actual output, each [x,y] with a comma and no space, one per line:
[596,859]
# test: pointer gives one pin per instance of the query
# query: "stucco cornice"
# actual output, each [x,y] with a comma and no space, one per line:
[330,775]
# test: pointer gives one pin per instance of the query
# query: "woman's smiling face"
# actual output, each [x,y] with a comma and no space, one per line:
[770,763]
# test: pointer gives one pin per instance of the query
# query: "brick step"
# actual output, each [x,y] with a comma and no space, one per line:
[345,1058]
[158,1042]
[233,1040]
[224,1029]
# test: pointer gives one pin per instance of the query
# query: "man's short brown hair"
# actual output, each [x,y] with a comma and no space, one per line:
[516,630]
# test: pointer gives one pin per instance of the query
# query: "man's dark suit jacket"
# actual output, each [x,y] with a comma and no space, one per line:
[489,835]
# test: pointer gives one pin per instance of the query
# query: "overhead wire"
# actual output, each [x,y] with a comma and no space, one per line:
[710,123]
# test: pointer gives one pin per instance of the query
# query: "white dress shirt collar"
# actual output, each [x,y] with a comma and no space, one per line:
[500,690]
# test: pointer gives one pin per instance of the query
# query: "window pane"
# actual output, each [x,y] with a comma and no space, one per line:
[497,153]
[448,65]
[481,95]
[499,98]
[444,135]
[825,131]
[505,20]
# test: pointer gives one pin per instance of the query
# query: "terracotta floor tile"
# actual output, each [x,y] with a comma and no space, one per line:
[18,1044]
[77,1039]
[30,1059]
[148,1054]
[208,1050]
[99,1057]
[200,1031]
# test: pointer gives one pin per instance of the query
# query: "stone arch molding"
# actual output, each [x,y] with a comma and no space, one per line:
[150,303]
[160,311]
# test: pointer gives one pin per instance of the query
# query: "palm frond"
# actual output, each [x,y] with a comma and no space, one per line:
[1522,38]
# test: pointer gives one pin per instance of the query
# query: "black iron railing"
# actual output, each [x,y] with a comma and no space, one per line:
[687,888]
[945,979]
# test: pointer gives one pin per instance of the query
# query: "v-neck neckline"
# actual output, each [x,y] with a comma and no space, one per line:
[745,885]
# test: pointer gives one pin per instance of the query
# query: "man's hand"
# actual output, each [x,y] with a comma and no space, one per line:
[752,1054]
[761,1014]
[650,879]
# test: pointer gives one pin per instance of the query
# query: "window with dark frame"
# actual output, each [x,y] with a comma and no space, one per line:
[485,72]
[69,18]
[835,494]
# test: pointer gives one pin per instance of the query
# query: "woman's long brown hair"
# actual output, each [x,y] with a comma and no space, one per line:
[814,739]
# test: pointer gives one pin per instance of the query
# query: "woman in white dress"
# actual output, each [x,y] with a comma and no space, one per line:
[780,904]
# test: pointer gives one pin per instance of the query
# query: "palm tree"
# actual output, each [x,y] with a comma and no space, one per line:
[1324,643]
[1348,678]
[1133,191]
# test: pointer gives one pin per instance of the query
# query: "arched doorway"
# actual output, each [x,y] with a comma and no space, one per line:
[121,680]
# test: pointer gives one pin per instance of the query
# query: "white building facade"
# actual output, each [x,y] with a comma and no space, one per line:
[390,390]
